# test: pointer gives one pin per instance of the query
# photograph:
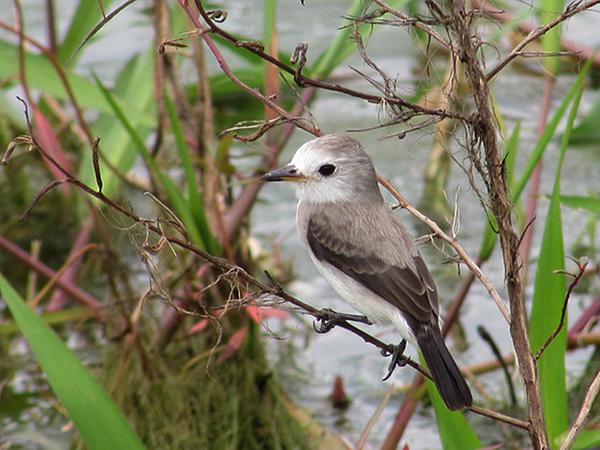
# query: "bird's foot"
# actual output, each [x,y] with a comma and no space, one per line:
[398,358]
[329,318]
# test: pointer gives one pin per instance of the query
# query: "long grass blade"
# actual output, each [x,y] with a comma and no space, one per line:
[548,298]
[548,10]
[194,196]
[455,432]
[97,418]
[179,203]
[87,14]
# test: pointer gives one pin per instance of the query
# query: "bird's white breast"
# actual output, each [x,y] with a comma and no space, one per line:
[363,300]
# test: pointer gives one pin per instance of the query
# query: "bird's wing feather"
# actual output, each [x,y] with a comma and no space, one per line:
[410,289]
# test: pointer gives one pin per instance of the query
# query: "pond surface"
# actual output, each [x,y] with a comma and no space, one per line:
[322,357]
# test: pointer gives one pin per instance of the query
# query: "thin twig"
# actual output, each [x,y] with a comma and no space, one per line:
[584,412]
[572,9]
[418,24]
[303,80]
[298,121]
[563,313]
[473,267]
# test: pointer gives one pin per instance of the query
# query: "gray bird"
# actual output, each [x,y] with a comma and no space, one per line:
[364,251]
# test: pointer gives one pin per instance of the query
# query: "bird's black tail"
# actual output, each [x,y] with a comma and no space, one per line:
[446,374]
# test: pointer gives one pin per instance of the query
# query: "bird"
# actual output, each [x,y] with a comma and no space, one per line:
[362,248]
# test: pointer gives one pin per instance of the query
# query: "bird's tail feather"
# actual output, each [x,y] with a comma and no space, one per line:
[444,371]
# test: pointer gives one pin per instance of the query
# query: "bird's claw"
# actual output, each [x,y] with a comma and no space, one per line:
[329,318]
[398,358]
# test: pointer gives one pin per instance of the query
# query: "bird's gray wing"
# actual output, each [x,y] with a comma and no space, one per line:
[411,290]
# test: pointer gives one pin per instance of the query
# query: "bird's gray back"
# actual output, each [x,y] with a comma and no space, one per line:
[365,228]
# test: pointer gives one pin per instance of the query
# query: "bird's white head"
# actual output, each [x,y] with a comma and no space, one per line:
[331,168]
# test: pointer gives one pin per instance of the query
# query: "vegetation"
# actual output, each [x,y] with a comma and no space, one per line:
[126,262]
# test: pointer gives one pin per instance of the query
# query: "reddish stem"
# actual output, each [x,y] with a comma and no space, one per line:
[78,294]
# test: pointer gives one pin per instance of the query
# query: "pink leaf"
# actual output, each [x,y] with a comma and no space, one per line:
[197,327]
[233,344]
[258,313]
[49,142]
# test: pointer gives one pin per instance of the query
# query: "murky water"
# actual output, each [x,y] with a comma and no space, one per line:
[402,161]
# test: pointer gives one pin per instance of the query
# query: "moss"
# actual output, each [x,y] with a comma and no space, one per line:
[209,404]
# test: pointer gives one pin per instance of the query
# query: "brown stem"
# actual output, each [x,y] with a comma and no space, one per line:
[484,135]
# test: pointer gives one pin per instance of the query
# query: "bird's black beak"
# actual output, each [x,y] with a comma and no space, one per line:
[287,173]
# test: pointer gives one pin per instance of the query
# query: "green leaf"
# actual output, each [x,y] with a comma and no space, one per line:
[587,440]
[194,196]
[490,238]
[87,15]
[178,202]
[589,203]
[97,418]
[588,131]
[548,298]
[455,432]
[51,318]
[547,11]
[42,76]
[546,137]
[134,85]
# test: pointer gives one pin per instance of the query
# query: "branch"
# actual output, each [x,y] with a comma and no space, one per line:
[298,121]
[417,23]
[572,9]
[584,412]
[473,267]
[483,148]
[303,80]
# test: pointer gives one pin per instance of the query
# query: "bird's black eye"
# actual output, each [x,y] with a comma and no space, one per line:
[326,169]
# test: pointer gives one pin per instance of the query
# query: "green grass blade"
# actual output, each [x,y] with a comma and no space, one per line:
[588,131]
[179,203]
[78,313]
[587,440]
[341,46]
[548,298]
[134,85]
[589,203]
[455,432]
[87,15]
[548,10]
[97,418]
[546,137]
[194,196]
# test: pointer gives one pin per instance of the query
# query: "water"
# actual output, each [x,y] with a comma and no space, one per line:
[403,162]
